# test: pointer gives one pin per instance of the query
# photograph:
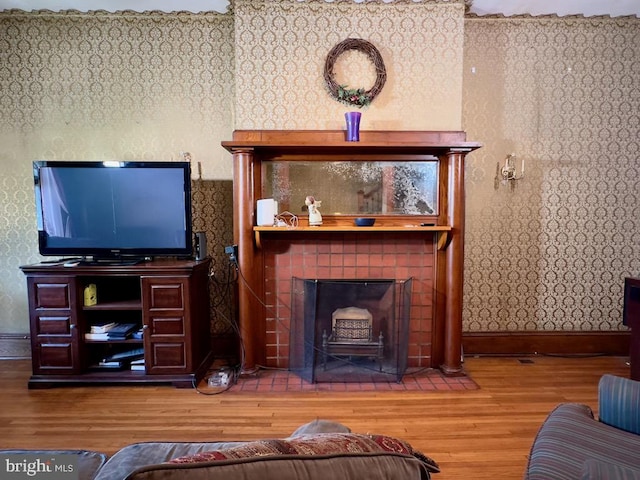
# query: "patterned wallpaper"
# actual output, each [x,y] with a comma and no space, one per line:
[564,95]
[561,93]
[212,205]
[281,49]
[107,86]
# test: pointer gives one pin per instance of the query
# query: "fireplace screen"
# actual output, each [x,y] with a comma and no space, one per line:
[349,330]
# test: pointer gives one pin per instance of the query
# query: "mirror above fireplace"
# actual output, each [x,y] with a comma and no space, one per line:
[353,188]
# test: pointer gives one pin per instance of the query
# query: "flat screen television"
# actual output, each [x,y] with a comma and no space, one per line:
[113,211]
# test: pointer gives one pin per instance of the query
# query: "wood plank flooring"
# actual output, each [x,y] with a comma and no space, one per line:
[479,434]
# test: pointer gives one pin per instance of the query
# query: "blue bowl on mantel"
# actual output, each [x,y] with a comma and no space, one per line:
[364,222]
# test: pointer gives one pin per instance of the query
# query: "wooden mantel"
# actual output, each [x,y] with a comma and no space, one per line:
[251,147]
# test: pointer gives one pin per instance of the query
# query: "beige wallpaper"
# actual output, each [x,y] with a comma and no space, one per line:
[100,86]
[564,95]
[281,49]
[561,93]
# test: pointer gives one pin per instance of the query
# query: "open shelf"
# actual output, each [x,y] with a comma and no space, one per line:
[441,230]
[134,304]
[110,341]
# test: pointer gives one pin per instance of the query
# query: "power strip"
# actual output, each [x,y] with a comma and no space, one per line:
[219,379]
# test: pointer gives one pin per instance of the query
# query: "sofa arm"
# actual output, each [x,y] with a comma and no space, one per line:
[619,403]
[598,470]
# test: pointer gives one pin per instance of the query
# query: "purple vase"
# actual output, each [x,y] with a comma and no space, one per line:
[353,126]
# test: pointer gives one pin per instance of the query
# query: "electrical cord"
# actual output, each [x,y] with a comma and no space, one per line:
[223,292]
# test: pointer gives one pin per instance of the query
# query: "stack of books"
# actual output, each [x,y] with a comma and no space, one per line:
[137,365]
[110,364]
[111,331]
[134,357]
[139,334]
[121,331]
[99,331]
[102,327]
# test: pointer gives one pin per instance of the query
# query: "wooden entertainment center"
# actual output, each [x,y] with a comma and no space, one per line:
[167,300]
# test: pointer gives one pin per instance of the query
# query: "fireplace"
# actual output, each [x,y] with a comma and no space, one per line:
[349,330]
[422,242]
[343,257]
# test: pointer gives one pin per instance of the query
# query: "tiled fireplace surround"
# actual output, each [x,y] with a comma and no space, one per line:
[352,256]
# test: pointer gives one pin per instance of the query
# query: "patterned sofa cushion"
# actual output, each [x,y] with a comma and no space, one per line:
[304,457]
[362,466]
[143,454]
[314,444]
[318,450]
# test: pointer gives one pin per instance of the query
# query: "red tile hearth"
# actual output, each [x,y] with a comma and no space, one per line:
[280,381]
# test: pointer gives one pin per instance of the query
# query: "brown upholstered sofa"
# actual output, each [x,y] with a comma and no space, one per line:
[320,450]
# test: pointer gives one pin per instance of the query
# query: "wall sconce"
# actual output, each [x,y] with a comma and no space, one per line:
[507,173]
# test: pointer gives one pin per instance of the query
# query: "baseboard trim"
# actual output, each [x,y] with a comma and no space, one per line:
[15,345]
[530,343]
[18,345]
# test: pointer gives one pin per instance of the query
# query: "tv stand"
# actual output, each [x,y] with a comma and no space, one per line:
[166,300]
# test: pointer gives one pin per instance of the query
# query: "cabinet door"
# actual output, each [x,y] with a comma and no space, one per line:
[55,348]
[165,307]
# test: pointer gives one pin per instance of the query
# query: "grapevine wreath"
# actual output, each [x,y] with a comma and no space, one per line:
[358,97]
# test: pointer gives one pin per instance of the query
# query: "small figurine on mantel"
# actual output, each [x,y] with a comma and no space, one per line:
[313,205]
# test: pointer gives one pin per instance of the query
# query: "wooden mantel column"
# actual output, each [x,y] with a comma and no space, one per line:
[452,363]
[251,316]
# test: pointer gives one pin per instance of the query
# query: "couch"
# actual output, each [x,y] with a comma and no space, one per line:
[319,450]
[572,444]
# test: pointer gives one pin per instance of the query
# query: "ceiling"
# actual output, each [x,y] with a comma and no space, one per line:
[587,8]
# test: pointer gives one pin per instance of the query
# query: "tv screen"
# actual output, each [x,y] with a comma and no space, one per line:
[113,210]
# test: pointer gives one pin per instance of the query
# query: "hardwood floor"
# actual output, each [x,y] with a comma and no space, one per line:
[479,434]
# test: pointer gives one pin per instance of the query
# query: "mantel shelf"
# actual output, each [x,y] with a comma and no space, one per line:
[441,230]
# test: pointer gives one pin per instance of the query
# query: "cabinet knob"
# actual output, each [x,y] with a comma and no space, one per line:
[144,327]
[72,326]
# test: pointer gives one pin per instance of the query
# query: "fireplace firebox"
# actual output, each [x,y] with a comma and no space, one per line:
[349,330]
